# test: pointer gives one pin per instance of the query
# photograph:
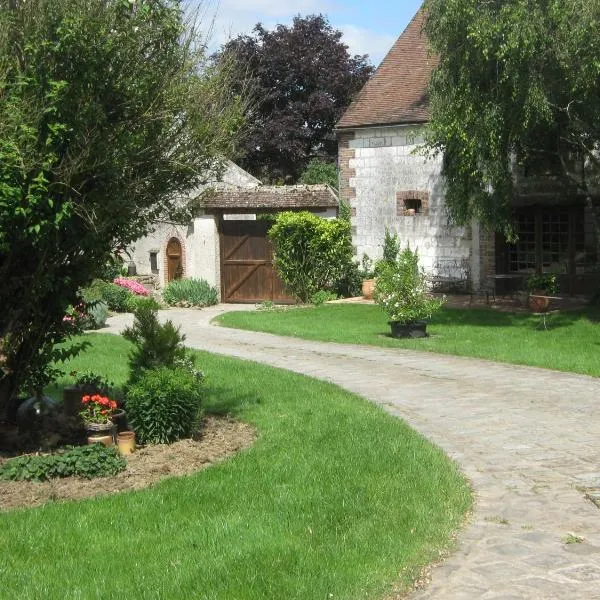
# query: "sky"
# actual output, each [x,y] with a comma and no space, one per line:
[368,27]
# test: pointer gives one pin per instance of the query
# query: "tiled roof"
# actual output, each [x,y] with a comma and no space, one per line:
[271,196]
[397,92]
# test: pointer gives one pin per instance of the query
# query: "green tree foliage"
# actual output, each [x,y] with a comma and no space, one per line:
[108,115]
[303,80]
[518,85]
[318,171]
[311,253]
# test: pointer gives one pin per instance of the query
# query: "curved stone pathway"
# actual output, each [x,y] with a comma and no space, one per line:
[527,438]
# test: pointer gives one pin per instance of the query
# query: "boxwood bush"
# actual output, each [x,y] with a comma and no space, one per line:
[192,292]
[164,405]
[81,461]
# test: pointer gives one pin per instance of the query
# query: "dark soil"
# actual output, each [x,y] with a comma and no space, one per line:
[218,439]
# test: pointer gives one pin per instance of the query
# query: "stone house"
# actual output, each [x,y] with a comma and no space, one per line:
[389,184]
[226,244]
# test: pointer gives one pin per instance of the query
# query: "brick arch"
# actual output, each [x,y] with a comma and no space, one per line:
[404,197]
[173,237]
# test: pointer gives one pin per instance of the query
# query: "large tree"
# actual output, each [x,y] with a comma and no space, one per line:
[518,85]
[302,79]
[108,116]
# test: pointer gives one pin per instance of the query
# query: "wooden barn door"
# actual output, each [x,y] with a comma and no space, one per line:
[247,272]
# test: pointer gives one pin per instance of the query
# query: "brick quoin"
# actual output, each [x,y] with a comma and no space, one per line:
[346,154]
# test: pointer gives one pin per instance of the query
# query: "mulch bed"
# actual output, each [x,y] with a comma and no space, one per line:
[219,439]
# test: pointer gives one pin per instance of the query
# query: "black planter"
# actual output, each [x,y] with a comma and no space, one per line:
[409,330]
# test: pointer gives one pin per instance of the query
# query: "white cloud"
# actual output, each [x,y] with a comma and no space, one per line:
[365,41]
[233,17]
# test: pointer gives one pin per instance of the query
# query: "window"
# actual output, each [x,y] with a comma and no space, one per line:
[154,261]
[551,239]
[412,206]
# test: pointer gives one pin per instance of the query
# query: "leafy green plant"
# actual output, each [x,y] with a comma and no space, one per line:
[391,246]
[546,282]
[311,253]
[91,461]
[322,296]
[401,290]
[115,296]
[164,405]
[155,344]
[192,292]
[134,302]
[96,314]
[319,171]
[92,381]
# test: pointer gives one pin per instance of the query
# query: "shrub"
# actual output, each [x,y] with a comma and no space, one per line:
[115,296]
[134,302]
[96,315]
[135,287]
[194,292]
[401,289]
[164,405]
[81,461]
[155,344]
[311,253]
[322,296]
[547,282]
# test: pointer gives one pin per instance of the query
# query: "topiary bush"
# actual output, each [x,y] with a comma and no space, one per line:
[311,253]
[164,405]
[81,461]
[193,292]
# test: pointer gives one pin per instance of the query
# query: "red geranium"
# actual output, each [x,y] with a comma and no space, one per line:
[97,408]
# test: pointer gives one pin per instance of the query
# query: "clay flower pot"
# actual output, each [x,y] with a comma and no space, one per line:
[368,287]
[126,442]
[537,303]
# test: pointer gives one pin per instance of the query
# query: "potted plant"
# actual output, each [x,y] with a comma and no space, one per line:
[401,291]
[368,277]
[540,288]
[96,412]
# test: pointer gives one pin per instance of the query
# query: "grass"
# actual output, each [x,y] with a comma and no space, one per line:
[572,342]
[336,499]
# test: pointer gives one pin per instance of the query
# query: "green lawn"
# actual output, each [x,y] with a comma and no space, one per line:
[336,499]
[572,342]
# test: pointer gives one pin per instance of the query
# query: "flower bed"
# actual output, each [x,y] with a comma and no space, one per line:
[133,286]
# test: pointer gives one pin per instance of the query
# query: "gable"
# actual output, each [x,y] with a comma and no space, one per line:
[397,92]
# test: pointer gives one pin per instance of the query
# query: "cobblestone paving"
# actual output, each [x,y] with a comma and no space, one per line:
[526,438]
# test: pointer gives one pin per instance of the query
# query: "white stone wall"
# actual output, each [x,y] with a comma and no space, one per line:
[385,163]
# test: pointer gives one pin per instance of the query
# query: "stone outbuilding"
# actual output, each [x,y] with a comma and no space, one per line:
[227,243]
[389,183]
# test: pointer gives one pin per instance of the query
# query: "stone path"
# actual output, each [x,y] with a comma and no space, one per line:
[527,438]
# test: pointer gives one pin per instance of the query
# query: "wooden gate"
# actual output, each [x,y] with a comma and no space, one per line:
[247,271]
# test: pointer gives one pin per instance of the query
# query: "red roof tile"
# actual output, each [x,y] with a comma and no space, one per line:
[397,92]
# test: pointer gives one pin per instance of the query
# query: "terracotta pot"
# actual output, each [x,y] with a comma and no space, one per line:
[368,287]
[126,442]
[107,440]
[537,304]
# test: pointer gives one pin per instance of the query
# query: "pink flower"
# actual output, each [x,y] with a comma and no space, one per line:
[133,286]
